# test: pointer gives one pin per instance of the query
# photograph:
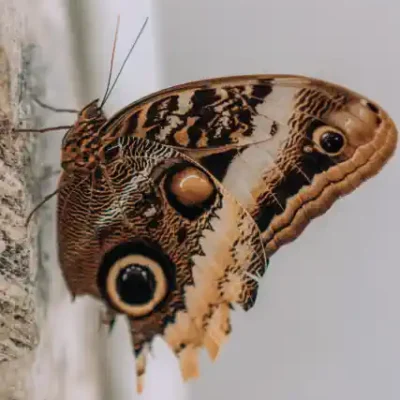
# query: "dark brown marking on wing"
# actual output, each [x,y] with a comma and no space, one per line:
[311,164]
[219,163]
[207,118]
[158,110]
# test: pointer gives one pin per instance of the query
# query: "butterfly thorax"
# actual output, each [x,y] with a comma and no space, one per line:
[81,143]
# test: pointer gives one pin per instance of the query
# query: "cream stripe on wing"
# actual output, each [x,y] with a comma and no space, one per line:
[219,279]
[278,105]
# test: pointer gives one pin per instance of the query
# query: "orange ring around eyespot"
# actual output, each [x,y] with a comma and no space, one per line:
[159,294]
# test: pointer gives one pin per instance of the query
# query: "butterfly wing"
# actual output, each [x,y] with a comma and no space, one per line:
[173,262]
[266,154]
[285,146]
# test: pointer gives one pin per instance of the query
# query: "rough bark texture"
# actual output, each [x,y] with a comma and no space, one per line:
[18,328]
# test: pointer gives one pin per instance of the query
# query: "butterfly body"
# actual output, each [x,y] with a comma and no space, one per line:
[169,210]
[80,148]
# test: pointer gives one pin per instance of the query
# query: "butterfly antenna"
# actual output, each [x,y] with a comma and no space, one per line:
[45,200]
[112,62]
[125,61]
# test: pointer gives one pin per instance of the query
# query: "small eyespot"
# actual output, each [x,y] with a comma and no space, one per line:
[136,284]
[329,140]
[189,190]
[332,142]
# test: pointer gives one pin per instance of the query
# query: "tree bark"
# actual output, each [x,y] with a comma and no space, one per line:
[18,256]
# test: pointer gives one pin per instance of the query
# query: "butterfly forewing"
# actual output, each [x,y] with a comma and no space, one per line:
[286,147]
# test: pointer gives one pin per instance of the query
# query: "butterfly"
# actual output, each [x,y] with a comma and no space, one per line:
[169,211]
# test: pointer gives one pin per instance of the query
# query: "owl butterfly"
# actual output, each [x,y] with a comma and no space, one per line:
[169,210]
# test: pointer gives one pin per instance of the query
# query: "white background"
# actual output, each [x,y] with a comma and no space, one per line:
[326,324]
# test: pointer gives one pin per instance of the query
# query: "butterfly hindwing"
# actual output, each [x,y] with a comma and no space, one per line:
[204,256]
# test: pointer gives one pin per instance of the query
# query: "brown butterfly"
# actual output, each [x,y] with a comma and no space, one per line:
[169,210]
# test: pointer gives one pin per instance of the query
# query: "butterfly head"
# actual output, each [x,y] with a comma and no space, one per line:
[81,142]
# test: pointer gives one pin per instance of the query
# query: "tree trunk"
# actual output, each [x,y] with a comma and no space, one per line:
[18,256]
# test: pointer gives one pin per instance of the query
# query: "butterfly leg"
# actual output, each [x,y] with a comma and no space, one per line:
[54,109]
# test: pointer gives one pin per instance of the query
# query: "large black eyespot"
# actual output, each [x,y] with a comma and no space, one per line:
[135,278]
[136,284]
[330,140]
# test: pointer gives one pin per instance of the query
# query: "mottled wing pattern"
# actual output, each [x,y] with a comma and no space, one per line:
[263,138]
[169,212]
[210,258]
